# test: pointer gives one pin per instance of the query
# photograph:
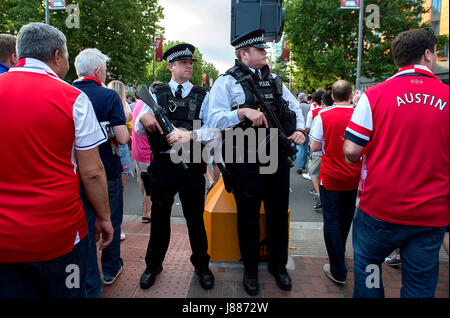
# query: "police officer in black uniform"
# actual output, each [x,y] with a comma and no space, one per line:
[183,103]
[233,104]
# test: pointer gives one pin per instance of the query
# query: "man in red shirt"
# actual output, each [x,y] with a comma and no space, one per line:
[338,179]
[402,126]
[50,135]
[317,98]
[315,160]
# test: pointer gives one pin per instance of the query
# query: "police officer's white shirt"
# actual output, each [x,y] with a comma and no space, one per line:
[203,134]
[226,94]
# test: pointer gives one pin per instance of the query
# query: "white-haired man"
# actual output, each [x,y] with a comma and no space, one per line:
[90,65]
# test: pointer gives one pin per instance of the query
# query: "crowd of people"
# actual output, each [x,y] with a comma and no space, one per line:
[377,160]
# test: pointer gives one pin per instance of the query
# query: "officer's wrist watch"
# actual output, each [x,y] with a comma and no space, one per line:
[302,131]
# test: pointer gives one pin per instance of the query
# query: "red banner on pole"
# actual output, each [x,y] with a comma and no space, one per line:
[204,78]
[158,49]
[349,4]
[57,5]
[285,53]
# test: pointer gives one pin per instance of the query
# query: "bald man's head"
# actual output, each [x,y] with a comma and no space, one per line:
[342,91]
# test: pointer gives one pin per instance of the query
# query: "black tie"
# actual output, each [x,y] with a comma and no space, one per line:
[178,92]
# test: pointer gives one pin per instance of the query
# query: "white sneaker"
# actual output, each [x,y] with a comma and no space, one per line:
[122,236]
[306,176]
[393,260]
[327,271]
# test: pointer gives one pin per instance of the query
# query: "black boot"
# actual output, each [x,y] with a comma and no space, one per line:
[251,282]
[281,276]
[205,277]
[148,277]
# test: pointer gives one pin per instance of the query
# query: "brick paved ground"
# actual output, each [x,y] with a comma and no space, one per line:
[178,281]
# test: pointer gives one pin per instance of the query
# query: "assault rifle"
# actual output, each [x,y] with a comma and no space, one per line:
[144,95]
[287,146]
[227,177]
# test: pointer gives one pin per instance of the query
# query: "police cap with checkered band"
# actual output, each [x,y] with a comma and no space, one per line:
[253,38]
[182,51]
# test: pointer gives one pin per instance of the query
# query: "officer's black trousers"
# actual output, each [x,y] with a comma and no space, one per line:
[251,188]
[166,179]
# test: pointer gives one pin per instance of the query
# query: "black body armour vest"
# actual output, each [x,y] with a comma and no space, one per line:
[271,90]
[180,111]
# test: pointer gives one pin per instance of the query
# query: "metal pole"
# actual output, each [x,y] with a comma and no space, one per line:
[47,15]
[360,40]
[291,69]
[154,57]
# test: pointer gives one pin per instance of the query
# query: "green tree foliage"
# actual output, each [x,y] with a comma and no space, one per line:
[162,73]
[442,42]
[281,68]
[211,72]
[324,39]
[15,13]
[121,29]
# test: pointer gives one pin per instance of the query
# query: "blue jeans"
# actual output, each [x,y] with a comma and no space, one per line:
[125,159]
[302,154]
[338,208]
[62,277]
[374,239]
[110,258]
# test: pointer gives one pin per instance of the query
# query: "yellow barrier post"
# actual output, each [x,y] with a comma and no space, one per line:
[221,226]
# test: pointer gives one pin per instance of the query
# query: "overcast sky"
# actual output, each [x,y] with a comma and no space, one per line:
[203,23]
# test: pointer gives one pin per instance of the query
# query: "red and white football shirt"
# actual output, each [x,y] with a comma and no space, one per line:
[404,125]
[44,120]
[312,114]
[313,106]
[329,128]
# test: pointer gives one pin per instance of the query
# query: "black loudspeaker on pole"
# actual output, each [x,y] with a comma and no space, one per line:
[248,15]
